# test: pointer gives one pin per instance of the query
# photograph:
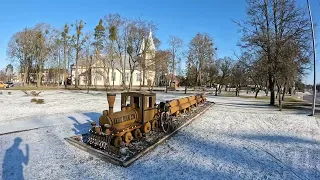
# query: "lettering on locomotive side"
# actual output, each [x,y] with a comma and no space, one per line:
[124,118]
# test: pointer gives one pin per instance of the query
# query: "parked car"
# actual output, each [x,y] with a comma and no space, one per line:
[9,84]
[2,84]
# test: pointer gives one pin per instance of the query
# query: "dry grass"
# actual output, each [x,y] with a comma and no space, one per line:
[40,101]
[37,101]
[267,98]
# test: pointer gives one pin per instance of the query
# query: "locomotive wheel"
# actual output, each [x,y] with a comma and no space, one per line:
[137,134]
[117,141]
[128,137]
[147,127]
[165,121]
[155,124]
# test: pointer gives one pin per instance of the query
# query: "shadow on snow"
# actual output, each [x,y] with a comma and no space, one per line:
[81,128]
[12,167]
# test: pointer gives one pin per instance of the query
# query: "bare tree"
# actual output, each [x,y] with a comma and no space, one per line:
[255,70]
[175,44]
[65,38]
[78,42]
[87,56]
[269,28]
[20,50]
[115,40]
[238,76]
[43,43]
[200,55]
[138,47]
[162,59]
[9,71]
[3,75]
[226,70]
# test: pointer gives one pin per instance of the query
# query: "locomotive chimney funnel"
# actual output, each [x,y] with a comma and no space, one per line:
[111,98]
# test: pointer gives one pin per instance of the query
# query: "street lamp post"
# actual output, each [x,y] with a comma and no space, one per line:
[314,62]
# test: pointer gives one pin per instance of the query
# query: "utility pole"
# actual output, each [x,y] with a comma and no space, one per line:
[314,62]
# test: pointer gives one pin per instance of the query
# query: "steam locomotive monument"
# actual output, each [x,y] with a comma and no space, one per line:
[122,137]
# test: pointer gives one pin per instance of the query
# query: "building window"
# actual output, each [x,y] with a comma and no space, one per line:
[150,105]
[113,76]
[138,76]
[127,77]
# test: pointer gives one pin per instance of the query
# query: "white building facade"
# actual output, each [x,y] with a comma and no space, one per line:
[102,76]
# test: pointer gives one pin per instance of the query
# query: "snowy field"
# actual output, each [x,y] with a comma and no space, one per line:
[235,139]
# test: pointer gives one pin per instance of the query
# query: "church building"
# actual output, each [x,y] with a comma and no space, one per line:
[101,74]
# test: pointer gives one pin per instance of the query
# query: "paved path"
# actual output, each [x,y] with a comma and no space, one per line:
[309,98]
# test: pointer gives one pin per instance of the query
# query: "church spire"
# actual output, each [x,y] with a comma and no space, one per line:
[148,44]
[150,40]
[150,32]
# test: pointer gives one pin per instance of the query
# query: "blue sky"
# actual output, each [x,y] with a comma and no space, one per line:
[183,18]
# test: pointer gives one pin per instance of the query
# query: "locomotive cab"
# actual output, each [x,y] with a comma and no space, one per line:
[142,102]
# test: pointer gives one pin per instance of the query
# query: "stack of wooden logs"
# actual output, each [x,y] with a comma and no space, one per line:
[185,104]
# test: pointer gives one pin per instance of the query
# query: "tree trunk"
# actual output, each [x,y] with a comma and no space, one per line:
[271,87]
[279,99]
[283,93]
[113,77]
[25,76]
[257,93]
[89,79]
[144,76]
[166,87]
[39,79]
[124,62]
[76,73]
[216,93]
[185,90]
[236,90]
[266,91]
[65,77]
[130,83]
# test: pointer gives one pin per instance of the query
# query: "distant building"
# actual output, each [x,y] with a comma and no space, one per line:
[49,76]
[101,74]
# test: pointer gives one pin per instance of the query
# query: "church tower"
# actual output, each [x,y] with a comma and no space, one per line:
[148,47]
[148,53]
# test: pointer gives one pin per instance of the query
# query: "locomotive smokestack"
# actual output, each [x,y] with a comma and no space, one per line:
[111,98]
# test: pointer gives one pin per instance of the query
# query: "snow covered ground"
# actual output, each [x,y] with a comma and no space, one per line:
[59,106]
[235,139]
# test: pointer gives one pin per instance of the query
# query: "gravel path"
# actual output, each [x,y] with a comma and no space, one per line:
[236,139]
